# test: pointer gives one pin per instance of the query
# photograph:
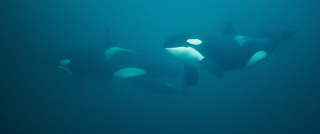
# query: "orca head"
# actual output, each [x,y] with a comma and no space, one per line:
[182,40]
[185,48]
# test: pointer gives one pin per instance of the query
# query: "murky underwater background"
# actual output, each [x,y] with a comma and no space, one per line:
[278,95]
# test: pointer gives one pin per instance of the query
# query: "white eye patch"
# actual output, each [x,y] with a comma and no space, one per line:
[194,41]
[65,62]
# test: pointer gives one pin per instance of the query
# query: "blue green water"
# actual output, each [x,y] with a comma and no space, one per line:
[278,95]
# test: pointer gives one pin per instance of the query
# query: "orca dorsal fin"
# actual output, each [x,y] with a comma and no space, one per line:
[107,41]
[228,29]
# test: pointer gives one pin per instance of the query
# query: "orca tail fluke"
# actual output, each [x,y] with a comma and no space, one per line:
[277,38]
[280,36]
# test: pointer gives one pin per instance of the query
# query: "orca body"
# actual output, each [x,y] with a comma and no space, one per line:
[108,62]
[229,51]
[117,63]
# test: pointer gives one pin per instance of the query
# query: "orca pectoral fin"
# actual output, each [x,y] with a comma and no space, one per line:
[212,67]
[182,83]
[190,75]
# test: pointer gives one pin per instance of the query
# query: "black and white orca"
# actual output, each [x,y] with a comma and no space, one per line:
[108,62]
[229,51]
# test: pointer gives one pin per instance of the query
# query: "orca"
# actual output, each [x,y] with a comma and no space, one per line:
[230,51]
[108,62]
